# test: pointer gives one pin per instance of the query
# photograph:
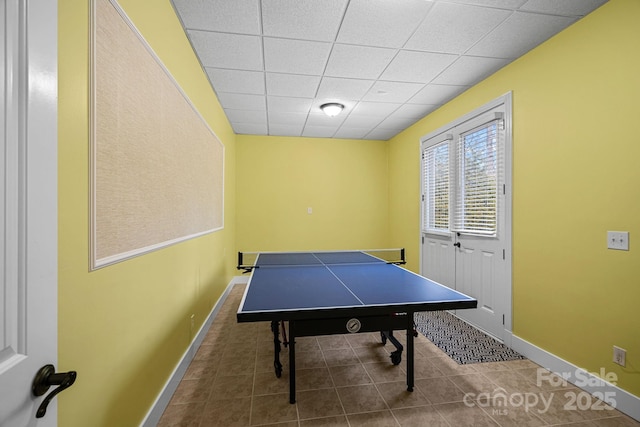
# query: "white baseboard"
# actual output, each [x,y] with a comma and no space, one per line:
[158,407]
[239,280]
[593,384]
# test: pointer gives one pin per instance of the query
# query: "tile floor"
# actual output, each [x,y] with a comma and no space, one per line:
[348,380]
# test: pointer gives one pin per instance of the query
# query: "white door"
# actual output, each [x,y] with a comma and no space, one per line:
[480,272]
[477,268]
[28,210]
[467,213]
[438,259]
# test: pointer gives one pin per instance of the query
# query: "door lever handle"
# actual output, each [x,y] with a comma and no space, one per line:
[47,377]
[456,244]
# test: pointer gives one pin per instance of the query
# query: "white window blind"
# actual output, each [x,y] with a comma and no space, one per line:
[476,199]
[435,172]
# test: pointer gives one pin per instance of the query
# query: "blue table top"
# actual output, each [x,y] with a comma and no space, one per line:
[315,284]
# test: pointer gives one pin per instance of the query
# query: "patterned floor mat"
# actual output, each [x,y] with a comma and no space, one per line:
[461,341]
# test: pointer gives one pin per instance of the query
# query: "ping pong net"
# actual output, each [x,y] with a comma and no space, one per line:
[247,261]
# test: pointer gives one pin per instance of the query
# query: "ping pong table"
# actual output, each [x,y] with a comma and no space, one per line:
[340,292]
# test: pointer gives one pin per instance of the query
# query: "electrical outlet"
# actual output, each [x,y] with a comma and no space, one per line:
[619,356]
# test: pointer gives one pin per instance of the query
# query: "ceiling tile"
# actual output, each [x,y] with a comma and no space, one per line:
[358,61]
[239,101]
[381,22]
[239,16]
[396,123]
[286,130]
[221,50]
[288,104]
[419,67]
[458,73]
[454,28]
[361,121]
[287,118]
[414,111]
[319,131]
[503,4]
[303,19]
[292,85]
[246,116]
[564,7]
[237,81]
[339,88]
[374,109]
[295,56]
[382,134]
[436,93]
[518,34]
[392,91]
[321,119]
[352,133]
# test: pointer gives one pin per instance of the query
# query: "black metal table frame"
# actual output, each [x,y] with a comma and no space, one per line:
[385,324]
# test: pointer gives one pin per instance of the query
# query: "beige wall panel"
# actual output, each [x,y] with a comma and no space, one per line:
[157,167]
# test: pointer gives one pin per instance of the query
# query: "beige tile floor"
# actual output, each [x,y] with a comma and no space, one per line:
[348,380]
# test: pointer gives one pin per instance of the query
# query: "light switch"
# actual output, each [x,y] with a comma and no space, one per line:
[618,240]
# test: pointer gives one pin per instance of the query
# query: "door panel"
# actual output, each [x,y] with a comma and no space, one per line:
[478,274]
[437,259]
[28,206]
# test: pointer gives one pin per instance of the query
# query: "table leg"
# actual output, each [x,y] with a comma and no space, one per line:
[275,328]
[292,362]
[396,356]
[410,352]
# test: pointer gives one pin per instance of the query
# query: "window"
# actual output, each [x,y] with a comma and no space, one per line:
[477,190]
[435,162]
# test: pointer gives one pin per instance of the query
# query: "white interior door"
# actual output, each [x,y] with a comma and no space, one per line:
[466,233]
[28,211]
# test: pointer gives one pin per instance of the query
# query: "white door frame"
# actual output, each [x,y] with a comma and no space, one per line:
[505,99]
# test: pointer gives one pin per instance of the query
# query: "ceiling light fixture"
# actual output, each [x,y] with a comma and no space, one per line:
[332,109]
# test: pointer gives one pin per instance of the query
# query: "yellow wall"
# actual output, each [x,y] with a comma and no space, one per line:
[343,181]
[125,327]
[576,106]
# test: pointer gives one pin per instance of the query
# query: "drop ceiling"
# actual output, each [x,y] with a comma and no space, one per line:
[272,63]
